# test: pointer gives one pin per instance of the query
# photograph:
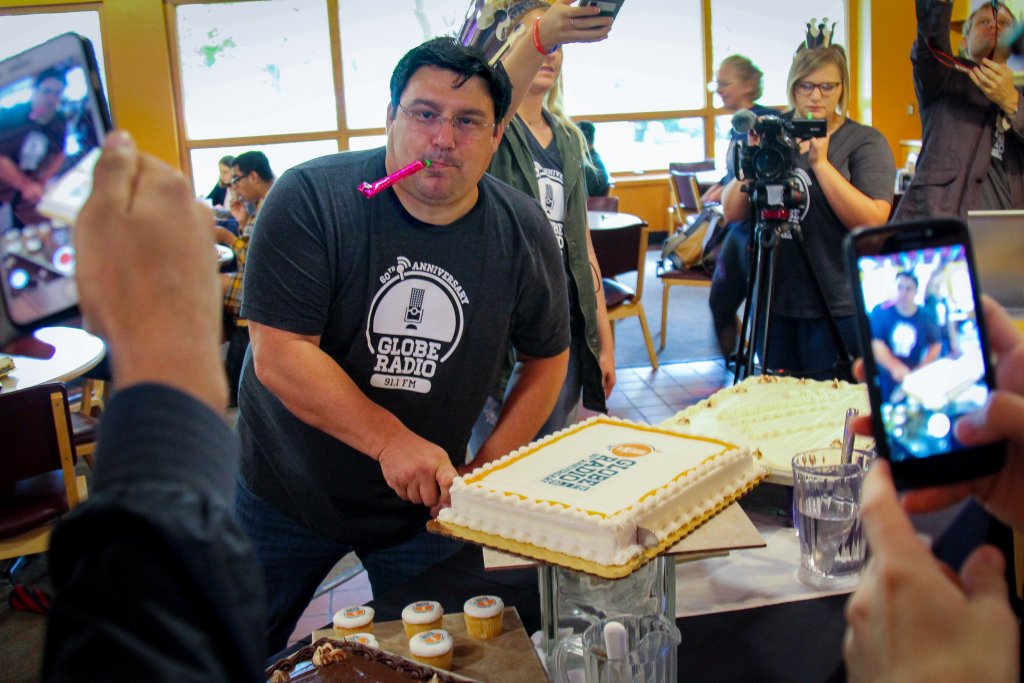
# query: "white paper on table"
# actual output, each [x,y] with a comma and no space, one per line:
[746,578]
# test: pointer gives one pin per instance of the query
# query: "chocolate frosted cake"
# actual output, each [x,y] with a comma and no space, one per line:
[335,660]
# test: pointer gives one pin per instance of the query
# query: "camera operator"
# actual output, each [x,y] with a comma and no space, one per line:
[850,176]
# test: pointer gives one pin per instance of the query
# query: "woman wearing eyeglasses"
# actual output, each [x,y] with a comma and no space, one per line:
[850,174]
[542,154]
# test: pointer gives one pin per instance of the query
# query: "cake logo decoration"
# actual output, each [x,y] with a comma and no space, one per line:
[422,608]
[354,612]
[587,473]
[484,602]
[431,637]
[631,450]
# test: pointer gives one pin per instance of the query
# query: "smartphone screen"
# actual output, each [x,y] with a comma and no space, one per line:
[925,351]
[52,124]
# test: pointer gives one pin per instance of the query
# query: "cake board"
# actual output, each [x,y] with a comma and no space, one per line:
[508,658]
[548,556]
[730,529]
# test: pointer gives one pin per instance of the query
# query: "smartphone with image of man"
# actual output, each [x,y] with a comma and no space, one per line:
[926,356]
[53,120]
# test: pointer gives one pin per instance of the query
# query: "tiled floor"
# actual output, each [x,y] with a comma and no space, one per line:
[641,394]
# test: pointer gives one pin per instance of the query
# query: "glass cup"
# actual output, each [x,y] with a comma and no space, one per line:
[826,513]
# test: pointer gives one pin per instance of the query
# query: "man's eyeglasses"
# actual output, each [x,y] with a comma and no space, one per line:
[807,87]
[466,125]
[986,23]
[235,178]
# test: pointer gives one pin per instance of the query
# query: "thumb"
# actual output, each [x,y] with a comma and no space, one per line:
[982,574]
[114,176]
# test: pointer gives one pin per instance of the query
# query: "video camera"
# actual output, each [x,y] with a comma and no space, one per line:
[779,192]
[775,157]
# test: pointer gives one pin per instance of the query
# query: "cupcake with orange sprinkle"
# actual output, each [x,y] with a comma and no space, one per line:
[420,616]
[484,615]
[353,620]
[434,648]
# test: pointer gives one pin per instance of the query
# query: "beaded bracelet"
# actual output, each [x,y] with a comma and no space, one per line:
[536,39]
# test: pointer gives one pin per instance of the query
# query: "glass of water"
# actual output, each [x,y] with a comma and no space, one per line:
[826,513]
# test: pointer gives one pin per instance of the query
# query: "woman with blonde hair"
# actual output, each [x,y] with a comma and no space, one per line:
[542,153]
[850,175]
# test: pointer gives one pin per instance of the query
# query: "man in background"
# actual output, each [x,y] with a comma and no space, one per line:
[31,148]
[972,146]
[251,179]
[903,335]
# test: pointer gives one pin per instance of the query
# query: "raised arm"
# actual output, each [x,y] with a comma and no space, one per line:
[560,24]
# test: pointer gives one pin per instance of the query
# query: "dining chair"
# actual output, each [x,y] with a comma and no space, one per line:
[87,404]
[692,166]
[37,468]
[620,251]
[607,204]
[686,201]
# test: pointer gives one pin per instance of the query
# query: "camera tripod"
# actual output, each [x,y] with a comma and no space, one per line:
[754,331]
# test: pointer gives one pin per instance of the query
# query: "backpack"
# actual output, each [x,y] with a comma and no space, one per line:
[695,245]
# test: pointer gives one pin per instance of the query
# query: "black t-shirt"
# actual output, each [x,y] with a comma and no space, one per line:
[417,315]
[30,145]
[908,337]
[547,163]
[862,156]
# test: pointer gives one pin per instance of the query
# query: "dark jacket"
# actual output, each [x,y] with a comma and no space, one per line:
[958,122]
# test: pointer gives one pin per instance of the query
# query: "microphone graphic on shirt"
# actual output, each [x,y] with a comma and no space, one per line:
[414,311]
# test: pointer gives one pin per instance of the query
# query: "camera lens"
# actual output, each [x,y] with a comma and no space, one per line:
[770,163]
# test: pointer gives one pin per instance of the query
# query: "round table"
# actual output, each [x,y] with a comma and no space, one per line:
[75,352]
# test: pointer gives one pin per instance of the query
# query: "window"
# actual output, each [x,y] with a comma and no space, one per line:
[644,88]
[652,61]
[771,37]
[374,36]
[282,156]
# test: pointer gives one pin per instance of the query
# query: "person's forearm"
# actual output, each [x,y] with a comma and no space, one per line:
[521,64]
[933,20]
[46,172]
[11,175]
[735,202]
[853,208]
[604,326]
[314,388]
[528,404]
[932,353]
[884,357]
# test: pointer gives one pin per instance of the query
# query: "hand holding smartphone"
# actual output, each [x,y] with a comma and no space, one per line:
[926,354]
[53,121]
[609,8]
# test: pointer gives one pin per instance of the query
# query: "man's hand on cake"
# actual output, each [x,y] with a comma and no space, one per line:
[911,618]
[418,470]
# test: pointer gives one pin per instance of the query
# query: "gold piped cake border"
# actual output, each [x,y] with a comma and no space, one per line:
[618,571]
[476,476]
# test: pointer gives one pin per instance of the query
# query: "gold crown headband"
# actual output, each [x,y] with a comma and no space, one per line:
[819,34]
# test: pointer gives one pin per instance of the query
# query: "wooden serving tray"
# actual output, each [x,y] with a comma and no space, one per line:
[509,658]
